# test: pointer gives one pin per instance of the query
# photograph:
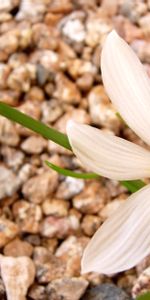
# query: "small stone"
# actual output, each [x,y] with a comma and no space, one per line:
[111,207]
[12,157]
[48,267]
[8,231]
[59,227]
[18,274]
[78,68]
[55,207]
[9,97]
[60,6]
[90,224]
[34,145]
[97,29]
[142,284]
[9,43]
[79,115]
[8,5]
[106,291]
[51,111]
[102,111]
[4,73]
[67,288]
[32,11]
[70,251]
[45,37]
[19,79]
[35,94]
[42,74]
[69,188]
[74,30]
[85,82]
[50,60]
[27,216]
[39,187]
[8,132]
[66,90]
[50,244]
[92,199]
[9,183]
[18,248]
[38,292]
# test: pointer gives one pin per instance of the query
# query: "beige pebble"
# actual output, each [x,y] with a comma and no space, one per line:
[17,274]
[9,230]
[17,248]
[67,288]
[37,188]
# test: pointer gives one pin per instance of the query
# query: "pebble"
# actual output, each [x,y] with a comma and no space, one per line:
[142,284]
[110,207]
[106,291]
[61,6]
[17,274]
[74,30]
[48,267]
[90,224]
[37,188]
[8,231]
[69,188]
[97,29]
[55,207]
[9,97]
[102,111]
[4,73]
[34,145]
[27,216]
[12,157]
[92,199]
[51,111]
[66,91]
[67,288]
[30,10]
[9,182]
[8,132]
[71,251]
[17,248]
[8,5]
[59,227]
[38,292]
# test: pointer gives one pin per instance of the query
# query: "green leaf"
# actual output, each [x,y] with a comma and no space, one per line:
[67,172]
[144,297]
[35,125]
[58,138]
[134,185]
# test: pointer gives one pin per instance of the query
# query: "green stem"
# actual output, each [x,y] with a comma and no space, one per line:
[35,125]
[70,173]
[58,138]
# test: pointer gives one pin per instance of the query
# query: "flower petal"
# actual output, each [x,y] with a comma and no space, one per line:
[123,240]
[108,155]
[127,84]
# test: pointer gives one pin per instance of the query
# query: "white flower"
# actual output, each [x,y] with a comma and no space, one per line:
[124,239]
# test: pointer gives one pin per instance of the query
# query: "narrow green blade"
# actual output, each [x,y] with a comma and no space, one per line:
[134,185]
[35,125]
[67,172]
[58,138]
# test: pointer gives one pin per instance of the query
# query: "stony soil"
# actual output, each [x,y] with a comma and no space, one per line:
[49,68]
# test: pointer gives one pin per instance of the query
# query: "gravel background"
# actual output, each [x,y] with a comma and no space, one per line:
[49,69]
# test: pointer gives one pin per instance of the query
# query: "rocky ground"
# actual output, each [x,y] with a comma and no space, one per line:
[49,68]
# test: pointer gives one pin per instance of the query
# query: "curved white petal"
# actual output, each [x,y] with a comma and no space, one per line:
[107,155]
[127,84]
[123,240]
